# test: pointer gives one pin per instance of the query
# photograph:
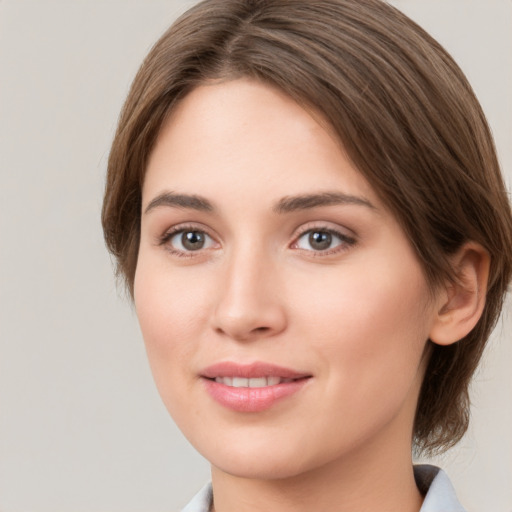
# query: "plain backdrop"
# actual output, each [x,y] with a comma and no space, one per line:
[81,424]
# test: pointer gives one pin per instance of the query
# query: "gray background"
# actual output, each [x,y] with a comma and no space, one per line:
[81,425]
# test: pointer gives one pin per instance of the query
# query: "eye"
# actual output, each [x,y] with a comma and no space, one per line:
[188,240]
[320,240]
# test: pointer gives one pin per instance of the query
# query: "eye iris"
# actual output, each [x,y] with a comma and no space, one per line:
[320,240]
[193,240]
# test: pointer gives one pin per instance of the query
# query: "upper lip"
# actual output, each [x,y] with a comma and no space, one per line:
[252,370]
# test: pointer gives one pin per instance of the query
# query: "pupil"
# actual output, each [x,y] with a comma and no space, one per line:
[192,240]
[320,240]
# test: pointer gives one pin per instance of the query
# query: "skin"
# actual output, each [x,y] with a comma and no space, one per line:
[355,317]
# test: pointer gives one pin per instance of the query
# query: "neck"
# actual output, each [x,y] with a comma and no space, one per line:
[374,478]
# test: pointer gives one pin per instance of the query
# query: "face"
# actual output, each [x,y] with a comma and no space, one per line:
[284,312]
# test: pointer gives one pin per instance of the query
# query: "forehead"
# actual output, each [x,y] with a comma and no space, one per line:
[250,138]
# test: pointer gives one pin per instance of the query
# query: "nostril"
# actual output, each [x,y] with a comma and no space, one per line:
[245,320]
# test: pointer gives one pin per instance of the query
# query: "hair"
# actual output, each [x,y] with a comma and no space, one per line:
[405,114]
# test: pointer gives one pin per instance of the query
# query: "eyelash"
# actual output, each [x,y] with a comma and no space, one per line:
[168,235]
[345,241]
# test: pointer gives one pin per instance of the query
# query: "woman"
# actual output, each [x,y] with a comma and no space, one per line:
[305,202]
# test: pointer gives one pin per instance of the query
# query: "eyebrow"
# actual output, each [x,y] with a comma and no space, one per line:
[287,204]
[191,202]
[307,201]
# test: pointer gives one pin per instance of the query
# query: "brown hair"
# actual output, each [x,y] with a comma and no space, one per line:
[405,114]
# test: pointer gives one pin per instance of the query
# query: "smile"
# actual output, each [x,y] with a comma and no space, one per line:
[250,388]
[254,382]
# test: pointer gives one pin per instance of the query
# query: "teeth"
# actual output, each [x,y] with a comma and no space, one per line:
[272,381]
[240,382]
[259,382]
[256,382]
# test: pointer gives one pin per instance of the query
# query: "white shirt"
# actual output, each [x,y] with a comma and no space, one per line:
[431,481]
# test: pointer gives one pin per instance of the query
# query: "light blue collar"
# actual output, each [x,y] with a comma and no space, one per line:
[439,492]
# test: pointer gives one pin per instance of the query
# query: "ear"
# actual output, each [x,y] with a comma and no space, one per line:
[461,303]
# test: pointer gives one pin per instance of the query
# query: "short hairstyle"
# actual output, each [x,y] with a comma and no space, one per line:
[405,114]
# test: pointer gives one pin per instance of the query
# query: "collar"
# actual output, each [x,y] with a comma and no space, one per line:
[438,490]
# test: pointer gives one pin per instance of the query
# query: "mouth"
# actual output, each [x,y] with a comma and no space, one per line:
[253,382]
[251,388]
[253,375]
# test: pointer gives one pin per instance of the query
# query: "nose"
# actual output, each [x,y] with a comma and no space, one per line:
[250,302]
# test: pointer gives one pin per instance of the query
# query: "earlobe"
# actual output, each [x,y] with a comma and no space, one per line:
[461,304]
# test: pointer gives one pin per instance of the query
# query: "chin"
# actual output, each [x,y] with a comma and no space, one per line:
[258,468]
[265,460]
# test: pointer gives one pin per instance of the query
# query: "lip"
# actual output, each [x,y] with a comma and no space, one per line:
[249,371]
[249,399]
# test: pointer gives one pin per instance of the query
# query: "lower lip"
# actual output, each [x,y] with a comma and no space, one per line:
[252,399]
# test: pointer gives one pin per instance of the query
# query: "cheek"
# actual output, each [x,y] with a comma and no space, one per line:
[365,302]
[169,311]
[368,337]
[172,310]
[369,325]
